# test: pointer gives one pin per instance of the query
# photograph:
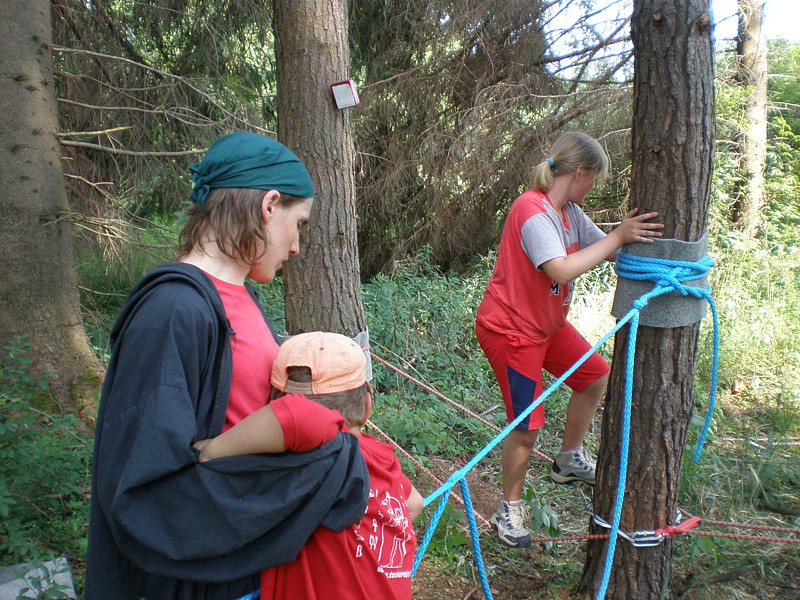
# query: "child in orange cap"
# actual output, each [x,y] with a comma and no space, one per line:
[374,557]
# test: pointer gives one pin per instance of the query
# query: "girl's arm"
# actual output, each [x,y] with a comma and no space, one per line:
[291,422]
[258,433]
[415,503]
[633,228]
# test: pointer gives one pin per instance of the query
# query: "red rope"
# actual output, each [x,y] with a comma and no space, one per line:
[773,528]
[683,527]
[421,467]
[739,536]
[448,400]
[687,527]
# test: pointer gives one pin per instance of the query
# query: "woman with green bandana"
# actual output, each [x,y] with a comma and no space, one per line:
[191,355]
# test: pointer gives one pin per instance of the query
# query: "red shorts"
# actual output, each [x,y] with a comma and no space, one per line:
[517,363]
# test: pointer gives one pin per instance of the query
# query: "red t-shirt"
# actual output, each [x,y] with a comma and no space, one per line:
[371,559]
[254,351]
[520,298]
[306,424]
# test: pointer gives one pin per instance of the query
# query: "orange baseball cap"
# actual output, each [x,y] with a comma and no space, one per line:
[337,363]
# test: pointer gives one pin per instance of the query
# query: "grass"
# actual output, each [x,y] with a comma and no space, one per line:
[749,471]
[422,320]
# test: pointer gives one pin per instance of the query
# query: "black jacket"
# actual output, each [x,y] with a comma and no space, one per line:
[162,525]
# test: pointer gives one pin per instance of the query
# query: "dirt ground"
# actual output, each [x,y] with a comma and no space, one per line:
[522,576]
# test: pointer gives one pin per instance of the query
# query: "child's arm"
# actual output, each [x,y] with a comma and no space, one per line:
[415,503]
[292,422]
[633,228]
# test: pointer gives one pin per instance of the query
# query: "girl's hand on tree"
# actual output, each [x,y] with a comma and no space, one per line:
[638,228]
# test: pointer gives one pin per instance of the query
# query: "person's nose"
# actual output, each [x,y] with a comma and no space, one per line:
[294,249]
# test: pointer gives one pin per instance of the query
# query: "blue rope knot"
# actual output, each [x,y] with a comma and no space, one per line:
[667,276]
[664,273]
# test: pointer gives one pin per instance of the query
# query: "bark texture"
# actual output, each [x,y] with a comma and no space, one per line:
[751,75]
[323,286]
[38,284]
[672,144]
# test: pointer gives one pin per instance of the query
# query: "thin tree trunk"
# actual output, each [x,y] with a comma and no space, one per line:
[38,284]
[751,75]
[322,285]
[672,149]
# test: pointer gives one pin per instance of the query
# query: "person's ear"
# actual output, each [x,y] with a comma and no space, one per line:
[367,404]
[268,203]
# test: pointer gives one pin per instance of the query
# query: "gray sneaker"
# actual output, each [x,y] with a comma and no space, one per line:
[510,522]
[573,466]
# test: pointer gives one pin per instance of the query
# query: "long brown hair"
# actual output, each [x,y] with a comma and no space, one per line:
[231,219]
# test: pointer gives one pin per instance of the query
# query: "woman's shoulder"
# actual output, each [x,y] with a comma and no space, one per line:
[172,290]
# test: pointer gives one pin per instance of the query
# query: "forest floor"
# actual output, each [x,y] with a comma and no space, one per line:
[448,572]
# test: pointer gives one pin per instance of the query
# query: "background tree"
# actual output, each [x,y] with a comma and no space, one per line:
[459,102]
[751,74]
[673,149]
[467,87]
[324,281]
[39,288]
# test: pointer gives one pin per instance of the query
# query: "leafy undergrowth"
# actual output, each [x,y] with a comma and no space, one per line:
[749,472]
[422,321]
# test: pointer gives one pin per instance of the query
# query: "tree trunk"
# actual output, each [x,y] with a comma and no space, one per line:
[38,284]
[672,149]
[323,284]
[751,75]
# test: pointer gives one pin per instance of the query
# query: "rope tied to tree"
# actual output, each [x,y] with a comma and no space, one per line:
[668,276]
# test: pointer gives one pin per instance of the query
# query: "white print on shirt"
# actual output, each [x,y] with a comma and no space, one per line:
[388,537]
[556,290]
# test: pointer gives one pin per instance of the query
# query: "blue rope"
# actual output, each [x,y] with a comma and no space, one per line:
[457,476]
[667,276]
[476,544]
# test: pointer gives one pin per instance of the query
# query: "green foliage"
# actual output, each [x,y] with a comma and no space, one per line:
[544,520]
[107,271]
[449,540]
[755,288]
[423,321]
[44,470]
[43,584]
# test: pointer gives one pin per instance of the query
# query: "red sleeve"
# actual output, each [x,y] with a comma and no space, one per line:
[306,424]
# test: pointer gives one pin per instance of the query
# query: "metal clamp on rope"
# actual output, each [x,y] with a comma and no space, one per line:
[645,539]
[641,539]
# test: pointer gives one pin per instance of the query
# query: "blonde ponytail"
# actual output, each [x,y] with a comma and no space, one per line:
[570,151]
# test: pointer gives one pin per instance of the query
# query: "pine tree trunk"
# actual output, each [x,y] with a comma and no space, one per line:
[38,284]
[672,149]
[322,285]
[751,75]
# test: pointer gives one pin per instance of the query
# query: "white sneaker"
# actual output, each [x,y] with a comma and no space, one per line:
[510,522]
[573,466]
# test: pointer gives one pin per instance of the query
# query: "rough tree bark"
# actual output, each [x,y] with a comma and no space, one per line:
[672,144]
[38,284]
[751,142]
[323,284]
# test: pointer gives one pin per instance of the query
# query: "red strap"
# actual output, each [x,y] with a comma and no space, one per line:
[688,524]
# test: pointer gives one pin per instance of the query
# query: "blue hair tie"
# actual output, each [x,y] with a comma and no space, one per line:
[549,161]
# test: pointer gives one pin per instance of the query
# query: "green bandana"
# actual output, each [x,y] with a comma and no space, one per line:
[249,160]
